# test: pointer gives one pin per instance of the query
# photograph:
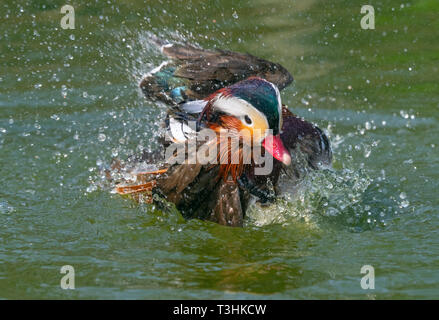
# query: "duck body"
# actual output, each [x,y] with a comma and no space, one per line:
[223,91]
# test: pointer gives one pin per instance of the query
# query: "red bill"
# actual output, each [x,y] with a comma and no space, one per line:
[274,145]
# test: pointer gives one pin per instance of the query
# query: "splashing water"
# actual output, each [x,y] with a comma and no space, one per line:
[326,196]
[63,91]
[331,196]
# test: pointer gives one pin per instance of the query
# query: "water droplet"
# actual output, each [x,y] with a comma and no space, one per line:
[404,204]
[304,102]
[367,151]
[5,207]
[91,188]
[368,125]
[404,114]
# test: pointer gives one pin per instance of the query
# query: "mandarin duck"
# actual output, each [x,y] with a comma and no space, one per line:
[221,91]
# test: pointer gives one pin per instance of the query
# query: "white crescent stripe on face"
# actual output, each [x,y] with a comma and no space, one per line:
[244,111]
[235,107]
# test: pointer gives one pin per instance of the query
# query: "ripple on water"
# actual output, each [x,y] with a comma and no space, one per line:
[5,207]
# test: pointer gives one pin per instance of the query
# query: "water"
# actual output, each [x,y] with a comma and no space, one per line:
[69,102]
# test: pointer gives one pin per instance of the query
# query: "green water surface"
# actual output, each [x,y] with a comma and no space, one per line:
[69,103]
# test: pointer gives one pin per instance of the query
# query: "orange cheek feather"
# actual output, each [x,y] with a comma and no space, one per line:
[232,123]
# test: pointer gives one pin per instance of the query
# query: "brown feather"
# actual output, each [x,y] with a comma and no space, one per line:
[225,66]
[136,188]
[206,71]
[226,204]
[177,179]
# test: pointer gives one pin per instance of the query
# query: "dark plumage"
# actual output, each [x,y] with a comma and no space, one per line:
[205,71]
[221,193]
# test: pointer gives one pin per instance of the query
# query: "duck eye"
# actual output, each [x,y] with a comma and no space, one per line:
[248,120]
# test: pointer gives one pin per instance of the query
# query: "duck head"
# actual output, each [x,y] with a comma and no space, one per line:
[253,108]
